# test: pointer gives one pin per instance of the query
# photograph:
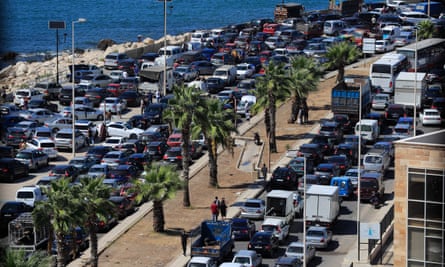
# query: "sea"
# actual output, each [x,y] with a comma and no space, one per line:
[24,24]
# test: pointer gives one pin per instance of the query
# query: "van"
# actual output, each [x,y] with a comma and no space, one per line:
[29,195]
[227,73]
[169,54]
[345,188]
[371,183]
[390,32]
[369,130]
[29,94]
[333,27]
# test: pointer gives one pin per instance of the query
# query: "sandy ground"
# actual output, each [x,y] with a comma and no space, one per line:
[140,246]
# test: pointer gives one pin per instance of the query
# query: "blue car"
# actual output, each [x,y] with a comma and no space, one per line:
[242,229]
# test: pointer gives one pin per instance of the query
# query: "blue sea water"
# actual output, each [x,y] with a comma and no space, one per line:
[24,23]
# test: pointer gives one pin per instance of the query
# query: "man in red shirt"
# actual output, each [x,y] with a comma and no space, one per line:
[214,209]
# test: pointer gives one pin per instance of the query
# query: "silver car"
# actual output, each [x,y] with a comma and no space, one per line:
[253,209]
[380,101]
[64,139]
[59,123]
[33,158]
[98,170]
[41,115]
[88,113]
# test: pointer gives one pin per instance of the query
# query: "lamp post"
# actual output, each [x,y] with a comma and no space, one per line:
[359,172]
[164,78]
[415,87]
[304,212]
[73,141]
[57,25]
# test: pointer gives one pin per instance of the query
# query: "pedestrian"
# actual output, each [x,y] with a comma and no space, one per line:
[91,136]
[264,171]
[247,109]
[158,96]
[142,105]
[184,236]
[102,132]
[118,112]
[223,209]
[214,210]
[124,74]
[302,112]
[22,103]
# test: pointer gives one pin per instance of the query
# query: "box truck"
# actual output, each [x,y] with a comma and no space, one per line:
[322,205]
[280,205]
[408,84]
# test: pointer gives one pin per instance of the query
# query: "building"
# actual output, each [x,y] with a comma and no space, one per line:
[419,201]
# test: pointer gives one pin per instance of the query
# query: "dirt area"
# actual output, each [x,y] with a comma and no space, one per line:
[140,246]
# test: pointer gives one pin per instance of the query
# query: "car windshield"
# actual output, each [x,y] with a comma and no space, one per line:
[373,159]
[295,249]
[77,161]
[97,169]
[23,155]
[242,260]
[47,145]
[112,141]
[252,204]
[315,233]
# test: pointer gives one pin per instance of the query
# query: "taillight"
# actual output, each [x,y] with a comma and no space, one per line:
[4,169]
[66,174]
[390,84]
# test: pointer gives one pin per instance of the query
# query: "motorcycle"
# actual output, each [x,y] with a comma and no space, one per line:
[375,201]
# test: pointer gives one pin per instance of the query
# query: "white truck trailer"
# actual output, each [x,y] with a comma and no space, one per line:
[410,87]
[280,205]
[322,205]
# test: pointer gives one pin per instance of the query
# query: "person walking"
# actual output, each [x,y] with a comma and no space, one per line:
[91,136]
[158,96]
[214,210]
[223,209]
[184,236]
[264,171]
[143,101]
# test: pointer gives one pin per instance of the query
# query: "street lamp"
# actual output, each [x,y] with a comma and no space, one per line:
[164,78]
[359,171]
[304,212]
[73,141]
[57,25]
[415,87]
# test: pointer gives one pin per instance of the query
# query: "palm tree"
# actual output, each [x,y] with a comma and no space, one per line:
[94,195]
[183,111]
[339,56]
[274,86]
[63,211]
[305,75]
[216,125]
[158,184]
[425,30]
[19,258]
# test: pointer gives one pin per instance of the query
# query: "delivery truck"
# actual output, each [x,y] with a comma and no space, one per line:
[215,240]
[152,80]
[280,204]
[410,87]
[322,205]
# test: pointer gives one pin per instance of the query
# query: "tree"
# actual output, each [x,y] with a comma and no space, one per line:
[184,108]
[274,86]
[158,184]
[216,125]
[19,258]
[305,75]
[94,195]
[339,56]
[63,211]
[425,30]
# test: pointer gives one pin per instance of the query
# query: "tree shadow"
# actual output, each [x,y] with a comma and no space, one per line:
[345,227]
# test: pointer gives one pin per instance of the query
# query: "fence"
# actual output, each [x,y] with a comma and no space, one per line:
[376,247]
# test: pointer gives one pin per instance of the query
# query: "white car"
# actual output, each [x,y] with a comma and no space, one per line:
[44,144]
[295,249]
[244,70]
[123,129]
[384,46]
[279,228]
[29,94]
[430,117]
[113,104]
[114,141]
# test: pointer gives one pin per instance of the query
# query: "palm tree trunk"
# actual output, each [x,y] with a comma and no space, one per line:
[341,74]
[272,141]
[158,216]
[186,165]
[60,250]
[213,165]
[94,260]
[295,108]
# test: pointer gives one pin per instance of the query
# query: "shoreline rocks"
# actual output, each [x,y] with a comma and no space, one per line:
[25,74]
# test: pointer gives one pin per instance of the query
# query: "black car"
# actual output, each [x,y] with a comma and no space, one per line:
[297,165]
[66,171]
[203,67]
[215,85]
[97,95]
[124,172]
[326,171]
[11,169]
[133,98]
[7,152]
[153,112]
[11,210]
[394,112]
[242,229]
[265,243]
[431,93]
[348,149]
[343,162]
[311,150]
[255,61]
[345,122]
[138,121]
[43,103]
[140,160]
[156,149]
[66,95]
[98,152]
[283,178]
[439,104]
[124,206]
[326,143]
[173,156]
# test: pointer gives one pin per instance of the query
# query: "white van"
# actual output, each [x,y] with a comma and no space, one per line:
[29,195]
[227,73]
[369,130]
[29,94]
[333,27]
[169,53]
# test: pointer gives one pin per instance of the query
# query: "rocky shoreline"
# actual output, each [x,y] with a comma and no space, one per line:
[25,74]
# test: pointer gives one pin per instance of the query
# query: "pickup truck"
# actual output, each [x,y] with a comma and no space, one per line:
[248,258]
[377,160]
[318,236]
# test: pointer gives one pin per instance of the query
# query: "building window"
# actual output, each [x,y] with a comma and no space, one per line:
[426,218]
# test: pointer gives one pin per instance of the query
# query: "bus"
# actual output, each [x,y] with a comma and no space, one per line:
[384,71]
[430,54]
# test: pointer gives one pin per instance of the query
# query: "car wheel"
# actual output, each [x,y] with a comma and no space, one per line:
[47,162]
[133,136]
[100,118]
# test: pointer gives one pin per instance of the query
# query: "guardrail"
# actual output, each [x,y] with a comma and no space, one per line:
[376,247]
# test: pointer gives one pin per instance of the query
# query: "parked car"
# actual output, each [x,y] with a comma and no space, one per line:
[326,171]
[66,171]
[265,243]
[326,142]
[297,164]
[331,129]
[97,95]
[82,101]
[45,145]
[64,139]
[288,262]
[115,158]
[140,160]
[124,206]
[124,172]
[34,158]
[277,227]
[123,129]
[242,229]
[98,170]
[98,152]
[380,101]
[244,71]
[43,103]
[154,112]
[156,149]
[28,127]
[186,72]
[91,81]
[215,85]
[57,124]
[203,67]
[430,117]
[114,105]
[383,46]
[133,98]
[12,169]
[342,161]
[113,60]
[283,178]
[82,163]
[15,136]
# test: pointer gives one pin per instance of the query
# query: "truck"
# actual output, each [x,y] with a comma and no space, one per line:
[433,9]
[280,205]
[407,85]
[322,205]
[215,240]
[376,160]
[345,96]
[152,80]
[24,234]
